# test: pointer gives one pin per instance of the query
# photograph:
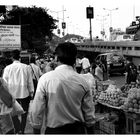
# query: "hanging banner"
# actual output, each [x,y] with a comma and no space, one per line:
[10,36]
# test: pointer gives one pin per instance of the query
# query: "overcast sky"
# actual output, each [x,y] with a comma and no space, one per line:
[75,13]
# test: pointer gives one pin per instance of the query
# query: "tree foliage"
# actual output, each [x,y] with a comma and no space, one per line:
[35,23]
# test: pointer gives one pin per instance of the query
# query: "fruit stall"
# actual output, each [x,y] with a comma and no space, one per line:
[119,107]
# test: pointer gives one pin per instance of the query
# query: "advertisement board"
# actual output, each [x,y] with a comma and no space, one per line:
[10,37]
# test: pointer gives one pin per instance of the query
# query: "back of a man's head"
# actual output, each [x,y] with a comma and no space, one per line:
[66,53]
[16,54]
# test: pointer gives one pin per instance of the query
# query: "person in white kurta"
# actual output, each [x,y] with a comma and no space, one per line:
[19,82]
[85,64]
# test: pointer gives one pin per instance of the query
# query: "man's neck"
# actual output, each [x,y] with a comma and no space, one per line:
[15,60]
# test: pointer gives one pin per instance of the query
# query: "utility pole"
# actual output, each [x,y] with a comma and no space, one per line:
[111,28]
[110,10]
[63,23]
[90,30]
[102,24]
[58,18]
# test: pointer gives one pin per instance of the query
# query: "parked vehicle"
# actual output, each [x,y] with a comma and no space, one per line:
[115,62]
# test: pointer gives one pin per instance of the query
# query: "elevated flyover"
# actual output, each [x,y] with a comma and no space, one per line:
[126,48]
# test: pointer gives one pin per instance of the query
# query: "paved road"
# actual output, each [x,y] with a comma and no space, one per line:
[119,79]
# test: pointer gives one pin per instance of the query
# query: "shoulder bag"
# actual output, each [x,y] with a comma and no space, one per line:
[35,81]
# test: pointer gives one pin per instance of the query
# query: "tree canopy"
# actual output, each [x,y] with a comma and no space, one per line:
[35,23]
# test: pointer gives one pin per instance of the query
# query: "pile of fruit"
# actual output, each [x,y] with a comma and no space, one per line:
[99,86]
[133,101]
[112,96]
[103,85]
[125,88]
[96,96]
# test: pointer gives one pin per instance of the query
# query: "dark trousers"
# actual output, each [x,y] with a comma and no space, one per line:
[20,125]
[75,128]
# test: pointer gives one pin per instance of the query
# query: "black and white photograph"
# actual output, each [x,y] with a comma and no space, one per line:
[70,67]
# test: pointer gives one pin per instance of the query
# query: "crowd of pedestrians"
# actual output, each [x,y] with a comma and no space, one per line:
[58,89]
[61,101]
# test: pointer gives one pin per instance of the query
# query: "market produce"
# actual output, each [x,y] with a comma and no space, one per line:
[103,85]
[125,88]
[99,86]
[111,96]
[96,96]
[132,103]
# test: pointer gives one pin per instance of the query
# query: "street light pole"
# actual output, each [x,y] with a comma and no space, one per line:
[102,24]
[63,22]
[110,10]
[63,33]
[57,12]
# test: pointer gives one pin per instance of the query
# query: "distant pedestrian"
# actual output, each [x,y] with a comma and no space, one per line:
[40,61]
[103,65]
[85,64]
[131,71]
[78,65]
[35,72]
[99,71]
[51,64]
[19,82]
[93,66]
[65,96]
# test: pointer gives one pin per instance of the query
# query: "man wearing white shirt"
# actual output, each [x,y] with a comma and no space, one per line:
[64,96]
[19,81]
[85,64]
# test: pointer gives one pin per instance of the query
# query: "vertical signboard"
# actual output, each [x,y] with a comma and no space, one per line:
[10,36]
[89,12]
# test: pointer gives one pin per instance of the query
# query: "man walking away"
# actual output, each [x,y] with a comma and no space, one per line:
[65,96]
[20,85]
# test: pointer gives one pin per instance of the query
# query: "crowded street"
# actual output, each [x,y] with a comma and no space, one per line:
[70,68]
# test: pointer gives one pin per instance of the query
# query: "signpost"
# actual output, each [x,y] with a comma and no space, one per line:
[10,37]
[89,12]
